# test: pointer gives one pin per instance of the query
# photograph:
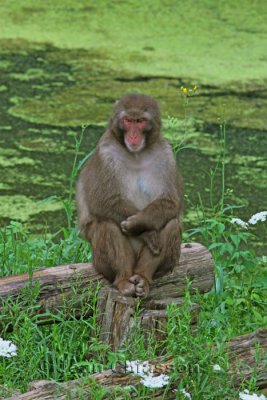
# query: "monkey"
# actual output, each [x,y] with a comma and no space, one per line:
[129,198]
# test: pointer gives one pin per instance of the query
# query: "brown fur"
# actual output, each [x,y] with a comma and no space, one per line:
[130,202]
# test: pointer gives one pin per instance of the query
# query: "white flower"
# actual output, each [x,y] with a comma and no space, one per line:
[155,381]
[216,367]
[7,348]
[260,216]
[240,222]
[187,395]
[246,396]
[143,370]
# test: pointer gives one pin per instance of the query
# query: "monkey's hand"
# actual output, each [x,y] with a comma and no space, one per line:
[133,225]
[152,240]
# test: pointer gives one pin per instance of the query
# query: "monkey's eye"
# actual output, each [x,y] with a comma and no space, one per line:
[128,120]
[131,121]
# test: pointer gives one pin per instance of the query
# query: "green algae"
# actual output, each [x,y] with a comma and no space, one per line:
[4,186]
[76,101]
[22,207]
[42,145]
[13,161]
[4,65]
[238,110]
[188,133]
[200,39]
[254,177]
[30,74]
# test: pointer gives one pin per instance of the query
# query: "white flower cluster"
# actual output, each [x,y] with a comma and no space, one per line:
[7,348]
[246,396]
[143,370]
[187,395]
[240,222]
[259,217]
[217,368]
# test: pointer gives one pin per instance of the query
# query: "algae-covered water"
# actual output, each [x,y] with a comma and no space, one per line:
[63,64]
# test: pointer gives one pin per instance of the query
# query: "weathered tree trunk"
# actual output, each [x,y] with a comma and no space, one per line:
[56,283]
[119,317]
[246,349]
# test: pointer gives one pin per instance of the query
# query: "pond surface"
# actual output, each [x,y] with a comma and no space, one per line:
[64,66]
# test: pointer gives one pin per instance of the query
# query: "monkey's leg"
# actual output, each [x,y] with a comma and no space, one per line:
[113,256]
[148,264]
[171,247]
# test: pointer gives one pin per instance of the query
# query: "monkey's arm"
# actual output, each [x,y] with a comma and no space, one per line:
[153,217]
[98,197]
[114,208]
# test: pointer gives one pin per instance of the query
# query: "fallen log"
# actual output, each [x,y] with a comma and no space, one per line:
[55,284]
[254,344]
[249,351]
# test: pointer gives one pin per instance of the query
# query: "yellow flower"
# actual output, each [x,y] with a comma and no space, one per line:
[185,90]
[195,88]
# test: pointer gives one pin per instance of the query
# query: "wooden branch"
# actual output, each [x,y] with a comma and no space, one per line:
[254,344]
[56,283]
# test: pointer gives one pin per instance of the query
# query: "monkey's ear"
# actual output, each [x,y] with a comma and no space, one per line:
[116,102]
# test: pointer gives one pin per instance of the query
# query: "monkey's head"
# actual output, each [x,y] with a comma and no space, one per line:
[136,121]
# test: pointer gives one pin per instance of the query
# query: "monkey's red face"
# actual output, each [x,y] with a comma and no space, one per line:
[134,136]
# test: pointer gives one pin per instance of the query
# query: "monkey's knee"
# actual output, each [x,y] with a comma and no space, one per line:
[103,232]
[171,247]
[171,234]
[112,253]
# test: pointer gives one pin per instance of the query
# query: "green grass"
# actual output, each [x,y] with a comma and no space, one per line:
[69,347]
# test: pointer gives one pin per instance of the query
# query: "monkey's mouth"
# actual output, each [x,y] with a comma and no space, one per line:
[134,147]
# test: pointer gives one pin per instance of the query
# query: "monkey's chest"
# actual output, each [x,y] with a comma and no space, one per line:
[141,189]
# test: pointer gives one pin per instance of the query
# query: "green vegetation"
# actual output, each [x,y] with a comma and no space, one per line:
[62,65]
[69,347]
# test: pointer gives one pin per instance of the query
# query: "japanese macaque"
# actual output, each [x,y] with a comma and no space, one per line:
[129,197]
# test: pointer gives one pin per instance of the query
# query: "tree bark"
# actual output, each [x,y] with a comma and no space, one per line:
[243,350]
[249,351]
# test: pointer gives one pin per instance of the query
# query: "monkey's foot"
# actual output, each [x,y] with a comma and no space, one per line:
[141,285]
[152,240]
[125,287]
